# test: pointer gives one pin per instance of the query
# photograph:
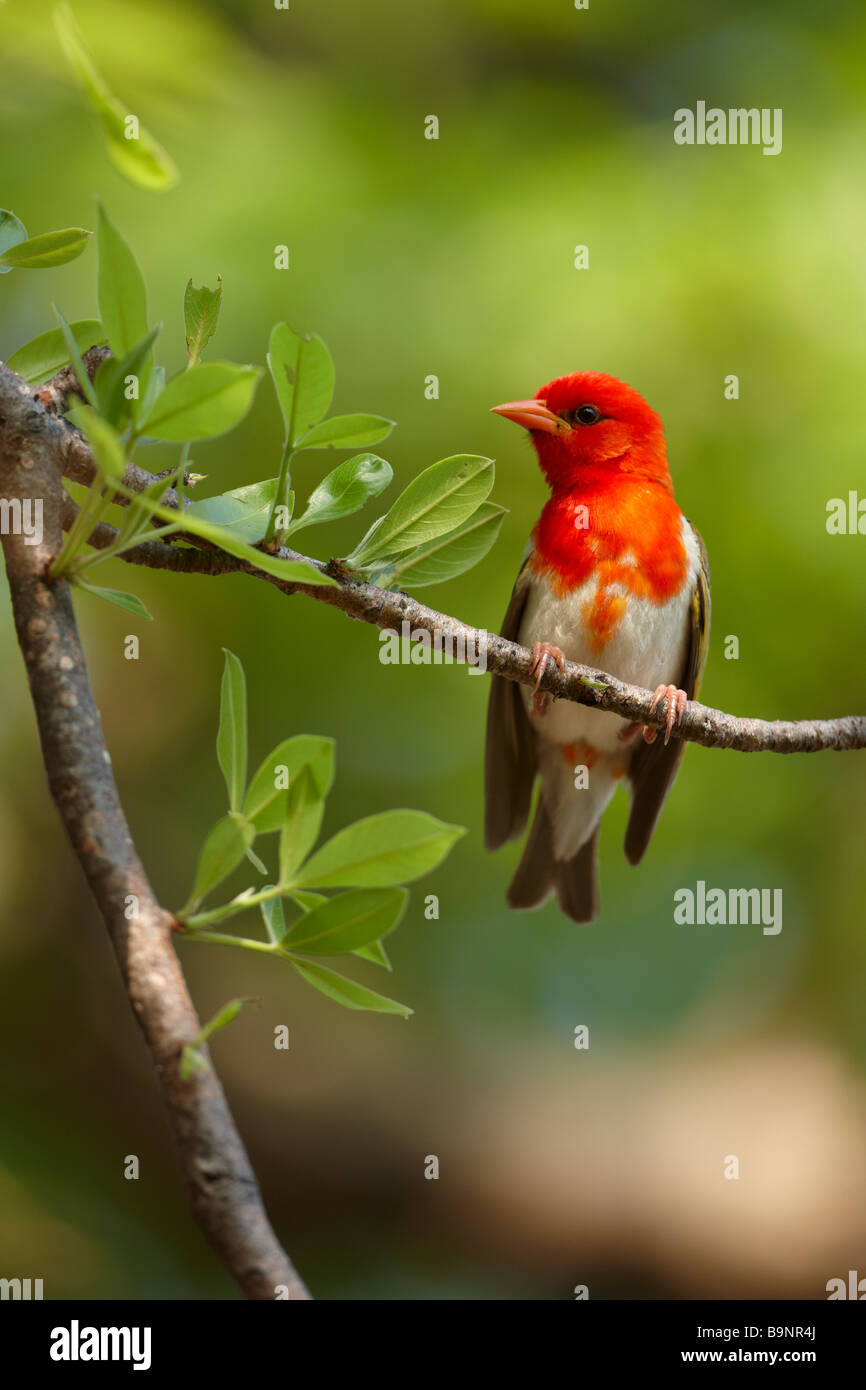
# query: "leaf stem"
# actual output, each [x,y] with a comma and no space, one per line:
[94,507]
[284,482]
[281,496]
[216,914]
[217,938]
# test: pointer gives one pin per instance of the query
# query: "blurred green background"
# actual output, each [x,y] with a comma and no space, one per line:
[455,257]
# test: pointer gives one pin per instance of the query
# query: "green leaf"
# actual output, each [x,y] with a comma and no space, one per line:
[303,821]
[347,432]
[344,923]
[267,797]
[140,158]
[244,511]
[39,359]
[190,1058]
[257,863]
[75,358]
[222,851]
[393,847]
[12,233]
[155,387]
[282,360]
[191,1061]
[292,571]
[437,501]
[227,1014]
[122,302]
[105,444]
[232,734]
[453,553]
[303,377]
[203,401]
[361,547]
[347,992]
[345,490]
[374,952]
[201,311]
[51,248]
[111,377]
[122,296]
[136,522]
[306,900]
[119,598]
[274,918]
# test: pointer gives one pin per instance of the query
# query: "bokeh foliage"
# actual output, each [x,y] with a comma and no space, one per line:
[455,258]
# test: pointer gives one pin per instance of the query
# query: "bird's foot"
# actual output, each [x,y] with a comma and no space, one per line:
[542,653]
[675,701]
[629,731]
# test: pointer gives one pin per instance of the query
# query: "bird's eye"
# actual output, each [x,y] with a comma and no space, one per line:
[587,414]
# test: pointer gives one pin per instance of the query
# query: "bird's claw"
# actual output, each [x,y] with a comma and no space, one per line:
[542,652]
[675,701]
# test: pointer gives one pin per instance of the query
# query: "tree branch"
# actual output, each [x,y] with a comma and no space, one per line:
[384,608]
[64,386]
[155,554]
[221,1185]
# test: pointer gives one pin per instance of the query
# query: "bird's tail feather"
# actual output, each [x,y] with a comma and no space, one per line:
[533,878]
[577,882]
[538,874]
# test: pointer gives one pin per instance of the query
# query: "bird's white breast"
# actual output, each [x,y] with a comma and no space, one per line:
[646,648]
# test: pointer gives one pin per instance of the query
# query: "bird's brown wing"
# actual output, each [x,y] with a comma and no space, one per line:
[510,759]
[654,765]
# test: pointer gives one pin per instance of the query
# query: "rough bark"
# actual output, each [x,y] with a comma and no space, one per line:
[222,1188]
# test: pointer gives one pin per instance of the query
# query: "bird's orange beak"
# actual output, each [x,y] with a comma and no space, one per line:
[533,415]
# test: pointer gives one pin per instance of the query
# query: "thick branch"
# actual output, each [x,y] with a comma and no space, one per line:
[221,1184]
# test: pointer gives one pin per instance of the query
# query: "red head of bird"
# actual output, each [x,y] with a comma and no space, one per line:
[589,428]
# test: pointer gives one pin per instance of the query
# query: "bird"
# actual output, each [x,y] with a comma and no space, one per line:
[616,577]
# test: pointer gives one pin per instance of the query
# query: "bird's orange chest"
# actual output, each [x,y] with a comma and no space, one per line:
[623,542]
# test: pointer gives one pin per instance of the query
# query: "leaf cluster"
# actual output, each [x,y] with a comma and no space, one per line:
[438,527]
[342,898]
